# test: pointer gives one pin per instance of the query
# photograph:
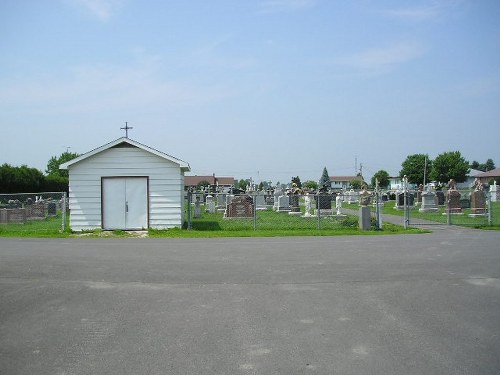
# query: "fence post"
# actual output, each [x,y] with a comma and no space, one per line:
[317,211]
[190,225]
[254,210]
[490,217]
[406,213]
[63,212]
[448,210]
[377,205]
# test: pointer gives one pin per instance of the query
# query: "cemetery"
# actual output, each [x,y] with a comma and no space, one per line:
[294,208]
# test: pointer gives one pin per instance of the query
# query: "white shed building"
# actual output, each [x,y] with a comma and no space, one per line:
[126,185]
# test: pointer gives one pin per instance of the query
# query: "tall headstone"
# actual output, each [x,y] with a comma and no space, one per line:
[428,201]
[294,204]
[494,192]
[364,210]
[453,198]
[210,204]
[478,200]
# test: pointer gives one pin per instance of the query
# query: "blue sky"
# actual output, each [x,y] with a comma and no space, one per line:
[262,89]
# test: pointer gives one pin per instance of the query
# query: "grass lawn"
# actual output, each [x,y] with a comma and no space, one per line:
[276,224]
[269,224]
[440,217]
[48,227]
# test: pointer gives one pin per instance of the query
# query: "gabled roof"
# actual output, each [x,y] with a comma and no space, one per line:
[212,180]
[493,173]
[182,164]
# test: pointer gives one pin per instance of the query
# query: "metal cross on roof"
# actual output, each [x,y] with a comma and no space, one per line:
[126,128]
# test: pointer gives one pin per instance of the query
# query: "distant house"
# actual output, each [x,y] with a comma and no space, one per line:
[395,183]
[213,181]
[343,182]
[126,185]
[486,177]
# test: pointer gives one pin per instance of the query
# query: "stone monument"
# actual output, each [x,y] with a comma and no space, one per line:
[453,199]
[364,210]
[210,204]
[478,200]
[240,207]
[293,196]
[308,205]
[428,201]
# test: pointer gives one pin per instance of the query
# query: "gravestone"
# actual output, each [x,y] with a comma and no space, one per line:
[440,198]
[453,199]
[294,204]
[478,203]
[36,211]
[283,203]
[240,207]
[364,218]
[428,202]
[197,208]
[464,202]
[494,192]
[52,209]
[210,204]
[324,202]
[260,201]
[400,198]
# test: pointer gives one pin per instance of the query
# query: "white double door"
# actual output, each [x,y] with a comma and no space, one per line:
[125,203]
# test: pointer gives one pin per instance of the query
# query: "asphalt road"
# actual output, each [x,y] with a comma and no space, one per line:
[413,304]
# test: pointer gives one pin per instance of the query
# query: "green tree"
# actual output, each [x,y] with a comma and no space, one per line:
[489,165]
[296,180]
[54,163]
[356,184]
[414,166]
[202,184]
[242,184]
[383,179]
[311,185]
[449,165]
[475,165]
[21,179]
[324,182]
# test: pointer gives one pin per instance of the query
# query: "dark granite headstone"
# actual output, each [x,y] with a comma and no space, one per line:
[324,202]
[409,199]
[240,207]
[440,198]
[52,209]
[294,203]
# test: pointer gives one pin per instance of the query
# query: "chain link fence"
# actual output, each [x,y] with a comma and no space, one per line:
[265,211]
[261,211]
[36,212]
[451,207]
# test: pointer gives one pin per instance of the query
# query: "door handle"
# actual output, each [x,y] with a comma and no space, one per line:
[126,207]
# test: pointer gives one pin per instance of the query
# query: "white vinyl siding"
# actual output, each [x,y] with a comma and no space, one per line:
[166,184]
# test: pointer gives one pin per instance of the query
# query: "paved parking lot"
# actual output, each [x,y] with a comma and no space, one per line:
[412,304]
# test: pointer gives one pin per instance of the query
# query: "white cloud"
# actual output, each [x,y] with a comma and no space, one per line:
[138,86]
[433,9]
[102,9]
[384,57]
